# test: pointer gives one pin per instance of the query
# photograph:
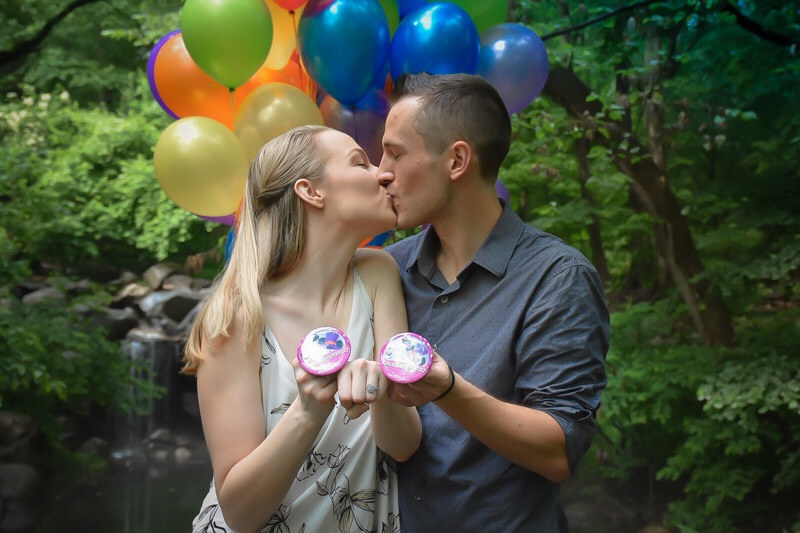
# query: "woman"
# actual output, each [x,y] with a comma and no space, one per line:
[287,456]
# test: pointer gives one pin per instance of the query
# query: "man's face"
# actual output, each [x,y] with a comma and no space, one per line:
[417,181]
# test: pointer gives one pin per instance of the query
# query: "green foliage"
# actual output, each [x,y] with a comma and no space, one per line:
[79,185]
[55,362]
[723,422]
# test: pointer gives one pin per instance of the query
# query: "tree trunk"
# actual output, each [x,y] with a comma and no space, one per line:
[677,246]
[595,237]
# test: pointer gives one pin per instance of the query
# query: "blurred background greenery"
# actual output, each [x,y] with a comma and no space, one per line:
[666,146]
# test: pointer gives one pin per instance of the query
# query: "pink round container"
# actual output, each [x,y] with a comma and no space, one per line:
[323,351]
[406,358]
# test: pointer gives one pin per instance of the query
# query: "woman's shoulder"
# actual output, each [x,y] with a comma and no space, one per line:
[375,266]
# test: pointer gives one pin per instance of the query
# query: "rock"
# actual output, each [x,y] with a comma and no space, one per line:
[179,304]
[75,288]
[127,277]
[129,295]
[156,274]
[162,435]
[177,281]
[17,433]
[183,456]
[151,304]
[120,322]
[28,286]
[200,283]
[96,446]
[42,295]
[161,456]
[19,488]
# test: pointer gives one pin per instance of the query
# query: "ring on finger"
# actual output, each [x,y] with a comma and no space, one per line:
[372,388]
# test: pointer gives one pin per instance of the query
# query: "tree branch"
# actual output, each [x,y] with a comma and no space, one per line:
[29,45]
[755,28]
[601,18]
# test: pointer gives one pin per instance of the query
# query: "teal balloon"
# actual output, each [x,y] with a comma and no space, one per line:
[344,45]
[228,39]
[438,38]
[514,60]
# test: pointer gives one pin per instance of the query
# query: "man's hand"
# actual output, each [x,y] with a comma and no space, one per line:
[430,388]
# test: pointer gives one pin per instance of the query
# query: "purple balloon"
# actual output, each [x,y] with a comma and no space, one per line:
[228,220]
[151,67]
[439,38]
[364,121]
[502,192]
[514,60]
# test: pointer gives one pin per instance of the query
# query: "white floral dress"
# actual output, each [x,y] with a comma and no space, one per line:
[346,484]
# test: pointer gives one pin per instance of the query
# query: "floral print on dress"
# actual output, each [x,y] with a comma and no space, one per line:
[345,483]
[277,522]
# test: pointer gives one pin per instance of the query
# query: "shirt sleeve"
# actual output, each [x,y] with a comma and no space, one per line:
[561,353]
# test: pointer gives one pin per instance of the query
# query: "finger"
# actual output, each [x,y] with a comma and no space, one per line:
[345,386]
[357,410]
[376,386]
[359,378]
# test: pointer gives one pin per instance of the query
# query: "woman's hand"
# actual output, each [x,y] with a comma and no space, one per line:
[360,383]
[316,394]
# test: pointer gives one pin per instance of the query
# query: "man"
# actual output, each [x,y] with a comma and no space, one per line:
[517,318]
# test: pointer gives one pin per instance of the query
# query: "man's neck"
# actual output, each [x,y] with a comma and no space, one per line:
[462,231]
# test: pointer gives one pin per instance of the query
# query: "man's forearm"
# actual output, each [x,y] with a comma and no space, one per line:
[529,438]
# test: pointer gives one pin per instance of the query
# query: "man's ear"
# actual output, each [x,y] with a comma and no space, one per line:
[308,193]
[460,159]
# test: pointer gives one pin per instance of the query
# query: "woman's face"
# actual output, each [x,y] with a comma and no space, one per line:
[353,194]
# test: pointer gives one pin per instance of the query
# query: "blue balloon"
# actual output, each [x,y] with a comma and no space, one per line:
[343,45]
[514,60]
[229,242]
[439,38]
[404,7]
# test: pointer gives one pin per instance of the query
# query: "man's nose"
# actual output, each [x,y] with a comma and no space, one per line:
[385,175]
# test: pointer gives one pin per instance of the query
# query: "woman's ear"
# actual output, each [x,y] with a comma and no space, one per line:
[306,191]
[460,159]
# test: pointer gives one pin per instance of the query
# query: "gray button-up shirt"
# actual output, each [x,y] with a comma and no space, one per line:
[525,321]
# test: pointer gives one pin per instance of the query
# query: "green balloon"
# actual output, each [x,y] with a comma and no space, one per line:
[392,14]
[484,13]
[228,39]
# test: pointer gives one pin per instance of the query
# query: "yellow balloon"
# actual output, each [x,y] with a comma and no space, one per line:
[272,109]
[201,166]
[284,34]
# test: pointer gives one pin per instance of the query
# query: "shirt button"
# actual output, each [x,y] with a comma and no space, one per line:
[417,497]
[443,299]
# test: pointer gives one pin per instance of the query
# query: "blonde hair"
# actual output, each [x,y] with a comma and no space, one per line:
[269,239]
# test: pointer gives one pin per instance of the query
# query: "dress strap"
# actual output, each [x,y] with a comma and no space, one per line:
[359,287]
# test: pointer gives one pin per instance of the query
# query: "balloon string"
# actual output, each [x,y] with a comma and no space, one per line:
[233,107]
[305,83]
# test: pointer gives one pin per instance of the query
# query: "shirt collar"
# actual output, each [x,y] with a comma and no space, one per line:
[493,255]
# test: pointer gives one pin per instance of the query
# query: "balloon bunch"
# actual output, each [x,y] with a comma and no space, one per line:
[240,72]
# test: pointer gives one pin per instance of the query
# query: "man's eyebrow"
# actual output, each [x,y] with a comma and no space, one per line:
[392,144]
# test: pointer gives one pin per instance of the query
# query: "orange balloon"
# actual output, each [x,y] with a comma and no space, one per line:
[188,91]
[292,74]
